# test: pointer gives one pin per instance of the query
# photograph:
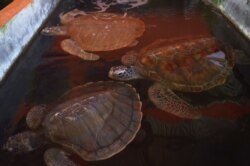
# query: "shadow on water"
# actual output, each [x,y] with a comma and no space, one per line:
[44,72]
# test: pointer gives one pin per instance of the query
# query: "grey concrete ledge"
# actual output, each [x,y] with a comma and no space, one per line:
[18,32]
[236,11]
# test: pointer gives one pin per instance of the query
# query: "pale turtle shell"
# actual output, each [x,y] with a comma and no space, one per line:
[104,31]
[96,120]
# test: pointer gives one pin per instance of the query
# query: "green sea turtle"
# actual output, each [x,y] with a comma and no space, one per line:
[191,64]
[94,121]
[96,32]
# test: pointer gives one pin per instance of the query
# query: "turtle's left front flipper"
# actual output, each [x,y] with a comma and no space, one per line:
[168,101]
[57,157]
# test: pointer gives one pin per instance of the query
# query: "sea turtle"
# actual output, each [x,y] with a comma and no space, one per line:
[94,121]
[96,32]
[191,64]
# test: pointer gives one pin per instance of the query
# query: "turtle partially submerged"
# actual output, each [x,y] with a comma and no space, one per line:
[96,32]
[181,64]
[95,121]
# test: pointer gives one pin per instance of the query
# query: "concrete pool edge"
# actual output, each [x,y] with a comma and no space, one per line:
[237,12]
[15,35]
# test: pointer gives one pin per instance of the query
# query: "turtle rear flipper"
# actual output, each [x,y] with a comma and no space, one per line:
[168,101]
[56,157]
[24,142]
[72,48]
[71,15]
[241,58]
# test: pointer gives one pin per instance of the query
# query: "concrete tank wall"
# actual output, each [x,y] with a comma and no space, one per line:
[19,30]
[237,11]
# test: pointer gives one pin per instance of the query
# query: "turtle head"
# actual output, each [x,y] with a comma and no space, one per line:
[24,142]
[123,73]
[35,116]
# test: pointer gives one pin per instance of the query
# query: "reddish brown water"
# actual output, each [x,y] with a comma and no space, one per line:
[58,72]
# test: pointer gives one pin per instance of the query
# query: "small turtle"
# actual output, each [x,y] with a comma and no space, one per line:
[96,32]
[182,64]
[94,121]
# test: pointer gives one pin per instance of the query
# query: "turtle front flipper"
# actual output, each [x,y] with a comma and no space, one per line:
[35,116]
[24,142]
[129,58]
[54,30]
[72,48]
[168,101]
[56,157]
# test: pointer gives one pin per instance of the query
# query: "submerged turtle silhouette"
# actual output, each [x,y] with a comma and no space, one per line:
[191,64]
[96,32]
[95,121]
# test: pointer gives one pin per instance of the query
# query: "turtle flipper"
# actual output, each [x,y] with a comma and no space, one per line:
[54,30]
[134,43]
[129,58]
[56,157]
[241,58]
[168,101]
[35,116]
[72,48]
[24,142]
[71,15]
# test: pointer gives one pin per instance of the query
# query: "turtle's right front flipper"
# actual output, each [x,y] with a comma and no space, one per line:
[168,101]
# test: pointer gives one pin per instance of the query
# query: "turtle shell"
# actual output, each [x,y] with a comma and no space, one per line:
[96,120]
[104,31]
[186,64]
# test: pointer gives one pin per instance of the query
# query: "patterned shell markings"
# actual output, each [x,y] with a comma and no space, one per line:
[186,64]
[104,31]
[96,125]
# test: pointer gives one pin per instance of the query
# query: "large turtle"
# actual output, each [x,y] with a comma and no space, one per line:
[95,121]
[96,32]
[191,64]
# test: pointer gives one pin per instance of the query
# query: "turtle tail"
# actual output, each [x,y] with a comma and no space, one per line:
[24,142]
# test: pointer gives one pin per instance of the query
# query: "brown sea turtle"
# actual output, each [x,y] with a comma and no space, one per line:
[96,32]
[182,64]
[94,121]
